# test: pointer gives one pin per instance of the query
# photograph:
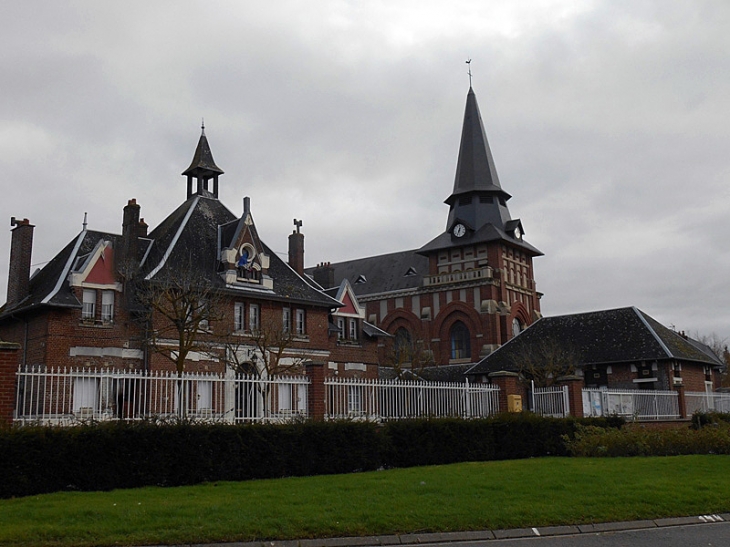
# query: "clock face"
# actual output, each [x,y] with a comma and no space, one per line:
[459,230]
[518,234]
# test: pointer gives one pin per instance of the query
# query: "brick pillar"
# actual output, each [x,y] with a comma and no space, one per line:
[509,384]
[681,401]
[9,354]
[316,395]
[575,393]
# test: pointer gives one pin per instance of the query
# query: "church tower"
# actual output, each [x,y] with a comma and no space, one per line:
[482,244]
[467,291]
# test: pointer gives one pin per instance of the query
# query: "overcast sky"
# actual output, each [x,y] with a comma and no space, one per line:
[608,120]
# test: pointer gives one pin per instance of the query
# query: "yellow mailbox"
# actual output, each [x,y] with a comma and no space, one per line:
[514,403]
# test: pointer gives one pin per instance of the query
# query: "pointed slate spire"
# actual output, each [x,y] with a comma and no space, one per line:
[203,168]
[477,197]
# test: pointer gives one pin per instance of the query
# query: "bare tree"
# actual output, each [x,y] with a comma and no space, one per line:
[179,310]
[719,347]
[263,352]
[544,361]
[405,356]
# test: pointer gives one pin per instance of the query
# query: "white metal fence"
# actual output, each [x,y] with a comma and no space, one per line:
[632,404]
[550,401]
[397,399]
[706,402]
[66,396]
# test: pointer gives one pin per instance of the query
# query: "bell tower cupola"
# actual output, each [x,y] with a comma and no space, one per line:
[203,170]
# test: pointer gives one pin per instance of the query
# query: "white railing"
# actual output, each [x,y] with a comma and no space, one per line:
[551,401]
[632,404]
[456,277]
[66,396]
[396,399]
[699,401]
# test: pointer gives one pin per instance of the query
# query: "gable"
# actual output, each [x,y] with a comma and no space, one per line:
[96,269]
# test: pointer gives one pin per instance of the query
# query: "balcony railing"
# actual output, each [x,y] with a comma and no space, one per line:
[458,277]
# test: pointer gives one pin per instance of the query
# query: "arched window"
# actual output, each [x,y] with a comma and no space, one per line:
[516,327]
[460,341]
[403,345]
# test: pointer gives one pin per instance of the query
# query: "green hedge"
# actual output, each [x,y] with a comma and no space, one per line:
[104,456]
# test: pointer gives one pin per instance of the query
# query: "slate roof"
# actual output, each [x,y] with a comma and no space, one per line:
[487,233]
[203,162]
[50,286]
[187,238]
[383,273]
[623,335]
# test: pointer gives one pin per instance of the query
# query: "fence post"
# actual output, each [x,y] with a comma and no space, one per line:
[575,393]
[316,395]
[681,401]
[509,384]
[8,368]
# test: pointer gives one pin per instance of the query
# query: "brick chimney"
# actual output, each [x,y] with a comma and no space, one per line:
[324,275]
[130,243]
[21,247]
[296,249]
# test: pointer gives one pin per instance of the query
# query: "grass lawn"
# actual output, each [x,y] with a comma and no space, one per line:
[469,496]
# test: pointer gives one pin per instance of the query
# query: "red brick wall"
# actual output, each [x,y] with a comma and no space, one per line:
[9,355]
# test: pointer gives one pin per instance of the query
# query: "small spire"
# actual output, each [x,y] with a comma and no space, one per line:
[84,224]
[468,62]
[202,127]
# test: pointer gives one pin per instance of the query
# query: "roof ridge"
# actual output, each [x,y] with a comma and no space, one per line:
[64,272]
[640,315]
[170,247]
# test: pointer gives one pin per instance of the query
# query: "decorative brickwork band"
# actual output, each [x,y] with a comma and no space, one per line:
[9,354]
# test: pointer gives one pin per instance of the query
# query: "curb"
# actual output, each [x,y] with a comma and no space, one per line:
[478,535]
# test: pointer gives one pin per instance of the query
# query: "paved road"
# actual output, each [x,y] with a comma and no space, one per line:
[699,531]
[694,535]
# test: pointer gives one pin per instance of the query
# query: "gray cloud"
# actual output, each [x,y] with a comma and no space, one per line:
[608,123]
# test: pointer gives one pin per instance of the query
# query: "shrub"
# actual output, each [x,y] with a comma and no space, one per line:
[638,441]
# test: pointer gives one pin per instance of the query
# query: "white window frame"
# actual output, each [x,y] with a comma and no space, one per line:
[286,320]
[301,321]
[239,316]
[107,306]
[340,328]
[254,317]
[88,304]
[353,329]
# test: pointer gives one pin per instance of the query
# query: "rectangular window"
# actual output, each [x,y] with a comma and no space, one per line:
[340,328]
[300,322]
[354,400]
[86,397]
[353,329]
[238,316]
[88,307]
[253,317]
[204,396]
[107,306]
[286,320]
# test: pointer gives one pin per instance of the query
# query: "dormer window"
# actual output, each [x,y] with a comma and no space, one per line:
[360,280]
[410,272]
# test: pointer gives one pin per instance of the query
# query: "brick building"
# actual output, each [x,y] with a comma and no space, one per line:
[622,348]
[464,293]
[109,300]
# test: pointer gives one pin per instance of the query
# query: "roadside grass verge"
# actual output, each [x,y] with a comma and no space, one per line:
[466,496]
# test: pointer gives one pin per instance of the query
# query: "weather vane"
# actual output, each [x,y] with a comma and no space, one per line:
[298,224]
[468,62]
[202,126]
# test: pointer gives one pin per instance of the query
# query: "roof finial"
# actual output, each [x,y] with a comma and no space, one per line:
[468,62]
[202,127]
[84,224]
[298,224]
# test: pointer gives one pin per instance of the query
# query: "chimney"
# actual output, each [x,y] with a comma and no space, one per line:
[324,275]
[21,247]
[296,249]
[142,228]
[130,233]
